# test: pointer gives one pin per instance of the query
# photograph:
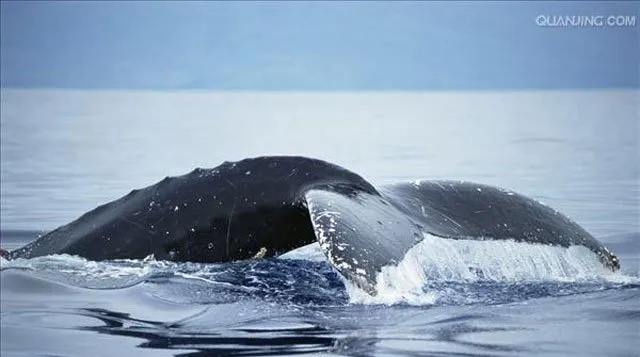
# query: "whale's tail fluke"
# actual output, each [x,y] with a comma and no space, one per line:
[360,233]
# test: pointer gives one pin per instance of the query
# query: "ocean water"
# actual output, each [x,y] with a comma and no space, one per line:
[63,153]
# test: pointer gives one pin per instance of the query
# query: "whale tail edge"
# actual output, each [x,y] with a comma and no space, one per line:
[5,254]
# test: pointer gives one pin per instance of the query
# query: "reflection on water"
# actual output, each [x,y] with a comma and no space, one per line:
[442,337]
[244,341]
[240,341]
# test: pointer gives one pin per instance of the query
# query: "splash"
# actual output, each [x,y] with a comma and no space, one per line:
[81,272]
[438,261]
[310,252]
[434,272]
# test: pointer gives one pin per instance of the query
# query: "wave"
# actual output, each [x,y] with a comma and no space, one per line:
[436,271]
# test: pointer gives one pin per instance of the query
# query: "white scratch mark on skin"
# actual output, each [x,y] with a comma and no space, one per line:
[233,207]
[136,224]
[452,220]
[293,172]
[229,226]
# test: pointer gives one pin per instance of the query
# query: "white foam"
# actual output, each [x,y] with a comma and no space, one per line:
[311,252]
[77,266]
[389,296]
[432,260]
[467,261]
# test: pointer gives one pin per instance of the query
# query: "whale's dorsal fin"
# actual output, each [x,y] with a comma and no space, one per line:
[360,233]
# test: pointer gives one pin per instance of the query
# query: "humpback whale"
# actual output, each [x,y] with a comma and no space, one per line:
[266,206]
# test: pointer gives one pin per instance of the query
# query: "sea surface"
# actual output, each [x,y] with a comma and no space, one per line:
[63,153]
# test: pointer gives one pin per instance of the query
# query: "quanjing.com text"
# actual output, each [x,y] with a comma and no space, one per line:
[586,21]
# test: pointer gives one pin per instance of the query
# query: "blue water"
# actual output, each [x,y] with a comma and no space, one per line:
[65,152]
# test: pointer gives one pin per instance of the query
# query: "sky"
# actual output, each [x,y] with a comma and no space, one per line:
[323,46]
